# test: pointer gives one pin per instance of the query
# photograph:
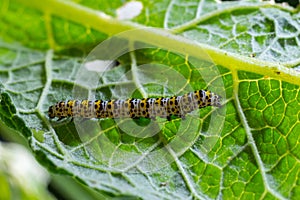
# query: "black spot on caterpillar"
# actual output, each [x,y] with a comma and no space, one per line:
[151,108]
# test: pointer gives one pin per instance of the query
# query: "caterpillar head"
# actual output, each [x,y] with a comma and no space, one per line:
[51,112]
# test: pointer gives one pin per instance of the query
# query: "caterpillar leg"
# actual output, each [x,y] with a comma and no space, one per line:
[182,117]
[153,118]
[169,117]
[60,118]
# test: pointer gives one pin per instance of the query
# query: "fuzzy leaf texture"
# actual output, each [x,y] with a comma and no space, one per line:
[246,51]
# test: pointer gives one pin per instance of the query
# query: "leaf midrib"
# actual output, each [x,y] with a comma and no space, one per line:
[161,38]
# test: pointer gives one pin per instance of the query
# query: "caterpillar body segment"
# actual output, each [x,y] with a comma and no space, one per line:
[151,108]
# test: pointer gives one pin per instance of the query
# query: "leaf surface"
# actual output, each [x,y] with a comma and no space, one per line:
[246,52]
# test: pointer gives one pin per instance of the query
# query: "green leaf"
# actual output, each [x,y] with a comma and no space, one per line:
[247,52]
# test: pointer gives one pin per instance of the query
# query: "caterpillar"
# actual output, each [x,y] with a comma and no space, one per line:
[163,107]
